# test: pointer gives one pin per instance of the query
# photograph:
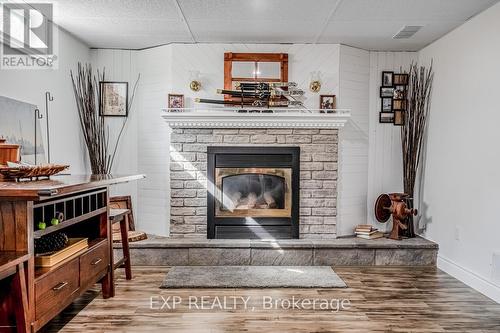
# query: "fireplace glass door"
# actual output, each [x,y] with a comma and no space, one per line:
[253,192]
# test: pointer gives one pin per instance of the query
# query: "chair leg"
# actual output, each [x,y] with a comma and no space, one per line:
[21,300]
[125,247]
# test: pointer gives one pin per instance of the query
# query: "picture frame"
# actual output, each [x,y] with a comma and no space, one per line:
[400,92]
[327,102]
[386,117]
[399,118]
[175,101]
[399,104]
[400,79]
[386,104]
[387,79]
[113,99]
[386,92]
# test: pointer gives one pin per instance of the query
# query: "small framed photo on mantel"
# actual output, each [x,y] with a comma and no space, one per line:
[175,102]
[327,102]
[113,99]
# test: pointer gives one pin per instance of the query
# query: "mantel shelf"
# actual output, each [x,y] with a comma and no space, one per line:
[262,118]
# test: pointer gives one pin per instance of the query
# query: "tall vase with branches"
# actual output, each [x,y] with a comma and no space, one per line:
[414,128]
[95,130]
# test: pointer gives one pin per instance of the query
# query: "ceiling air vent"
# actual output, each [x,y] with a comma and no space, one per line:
[407,31]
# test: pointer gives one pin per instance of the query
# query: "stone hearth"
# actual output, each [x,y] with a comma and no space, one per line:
[318,175]
[350,251]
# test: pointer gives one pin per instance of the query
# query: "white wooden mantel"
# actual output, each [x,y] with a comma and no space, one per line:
[213,118]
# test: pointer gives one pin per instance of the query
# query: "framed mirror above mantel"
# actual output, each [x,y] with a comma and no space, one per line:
[254,67]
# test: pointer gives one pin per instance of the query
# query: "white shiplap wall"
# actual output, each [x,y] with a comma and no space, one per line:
[209,60]
[166,69]
[155,66]
[144,147]
[369,158]
[385,165]
[120,65]
[353,139]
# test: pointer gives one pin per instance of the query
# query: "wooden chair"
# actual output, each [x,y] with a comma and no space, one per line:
[12,264]
[121,216]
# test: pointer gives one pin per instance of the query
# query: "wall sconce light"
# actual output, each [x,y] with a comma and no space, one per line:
[195,82]
[315,84]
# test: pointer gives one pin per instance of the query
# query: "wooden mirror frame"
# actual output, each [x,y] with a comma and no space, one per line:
[230,57]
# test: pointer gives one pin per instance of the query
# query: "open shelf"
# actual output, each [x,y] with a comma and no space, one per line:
[70,222]
[40,272]
[75,209]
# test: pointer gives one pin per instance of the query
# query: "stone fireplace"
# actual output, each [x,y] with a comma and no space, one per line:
[317,178]
[264,188]
[253,192]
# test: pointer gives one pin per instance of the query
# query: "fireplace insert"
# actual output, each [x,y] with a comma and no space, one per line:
[253,192]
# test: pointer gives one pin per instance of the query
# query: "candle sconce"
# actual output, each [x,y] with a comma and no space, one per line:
[315,84]
[195,82]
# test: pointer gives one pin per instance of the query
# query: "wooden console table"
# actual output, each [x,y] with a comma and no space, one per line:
[84,200]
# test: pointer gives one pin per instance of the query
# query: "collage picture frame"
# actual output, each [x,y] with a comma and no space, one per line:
[393,98]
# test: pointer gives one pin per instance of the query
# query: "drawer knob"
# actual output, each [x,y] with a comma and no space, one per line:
[96,262]
[60,285]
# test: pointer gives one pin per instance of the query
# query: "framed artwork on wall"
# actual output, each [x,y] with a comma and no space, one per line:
[399,104]
[387,79]
[399,118]
[386,118]
[400,92]
[400,79]
[175,101]
[20,124]
[386,105]
[386,92]
[114,99]
[393,94]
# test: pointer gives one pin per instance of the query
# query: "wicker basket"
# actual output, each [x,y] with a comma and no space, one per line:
[30,172]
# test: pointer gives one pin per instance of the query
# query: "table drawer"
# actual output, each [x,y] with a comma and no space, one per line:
[93,263]
[52,290]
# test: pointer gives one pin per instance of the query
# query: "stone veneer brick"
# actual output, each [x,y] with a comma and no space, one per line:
[318,184]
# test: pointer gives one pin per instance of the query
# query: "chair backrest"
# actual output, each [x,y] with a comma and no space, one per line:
[123,202]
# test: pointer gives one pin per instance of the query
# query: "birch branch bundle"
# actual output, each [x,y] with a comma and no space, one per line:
[415,122]
[95,131]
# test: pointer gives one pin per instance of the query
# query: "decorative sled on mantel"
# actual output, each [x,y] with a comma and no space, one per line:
[255,118]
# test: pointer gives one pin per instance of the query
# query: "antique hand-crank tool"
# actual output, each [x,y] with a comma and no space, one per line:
[393,203]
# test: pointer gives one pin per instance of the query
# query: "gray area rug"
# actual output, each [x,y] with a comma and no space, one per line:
[252,277]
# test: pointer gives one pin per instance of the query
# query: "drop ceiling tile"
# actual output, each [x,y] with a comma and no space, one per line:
[379,37]
[258,10]
[247,31]
[140,9]
[368,24]
[361,10]
[127,41]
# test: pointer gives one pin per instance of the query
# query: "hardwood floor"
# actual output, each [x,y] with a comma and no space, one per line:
[381,300]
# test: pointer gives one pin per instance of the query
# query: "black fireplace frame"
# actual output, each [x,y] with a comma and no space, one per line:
[253,157]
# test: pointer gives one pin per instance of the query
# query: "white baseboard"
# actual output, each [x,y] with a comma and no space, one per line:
[471,279]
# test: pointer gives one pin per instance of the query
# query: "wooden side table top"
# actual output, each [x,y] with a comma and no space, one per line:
[9,260]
